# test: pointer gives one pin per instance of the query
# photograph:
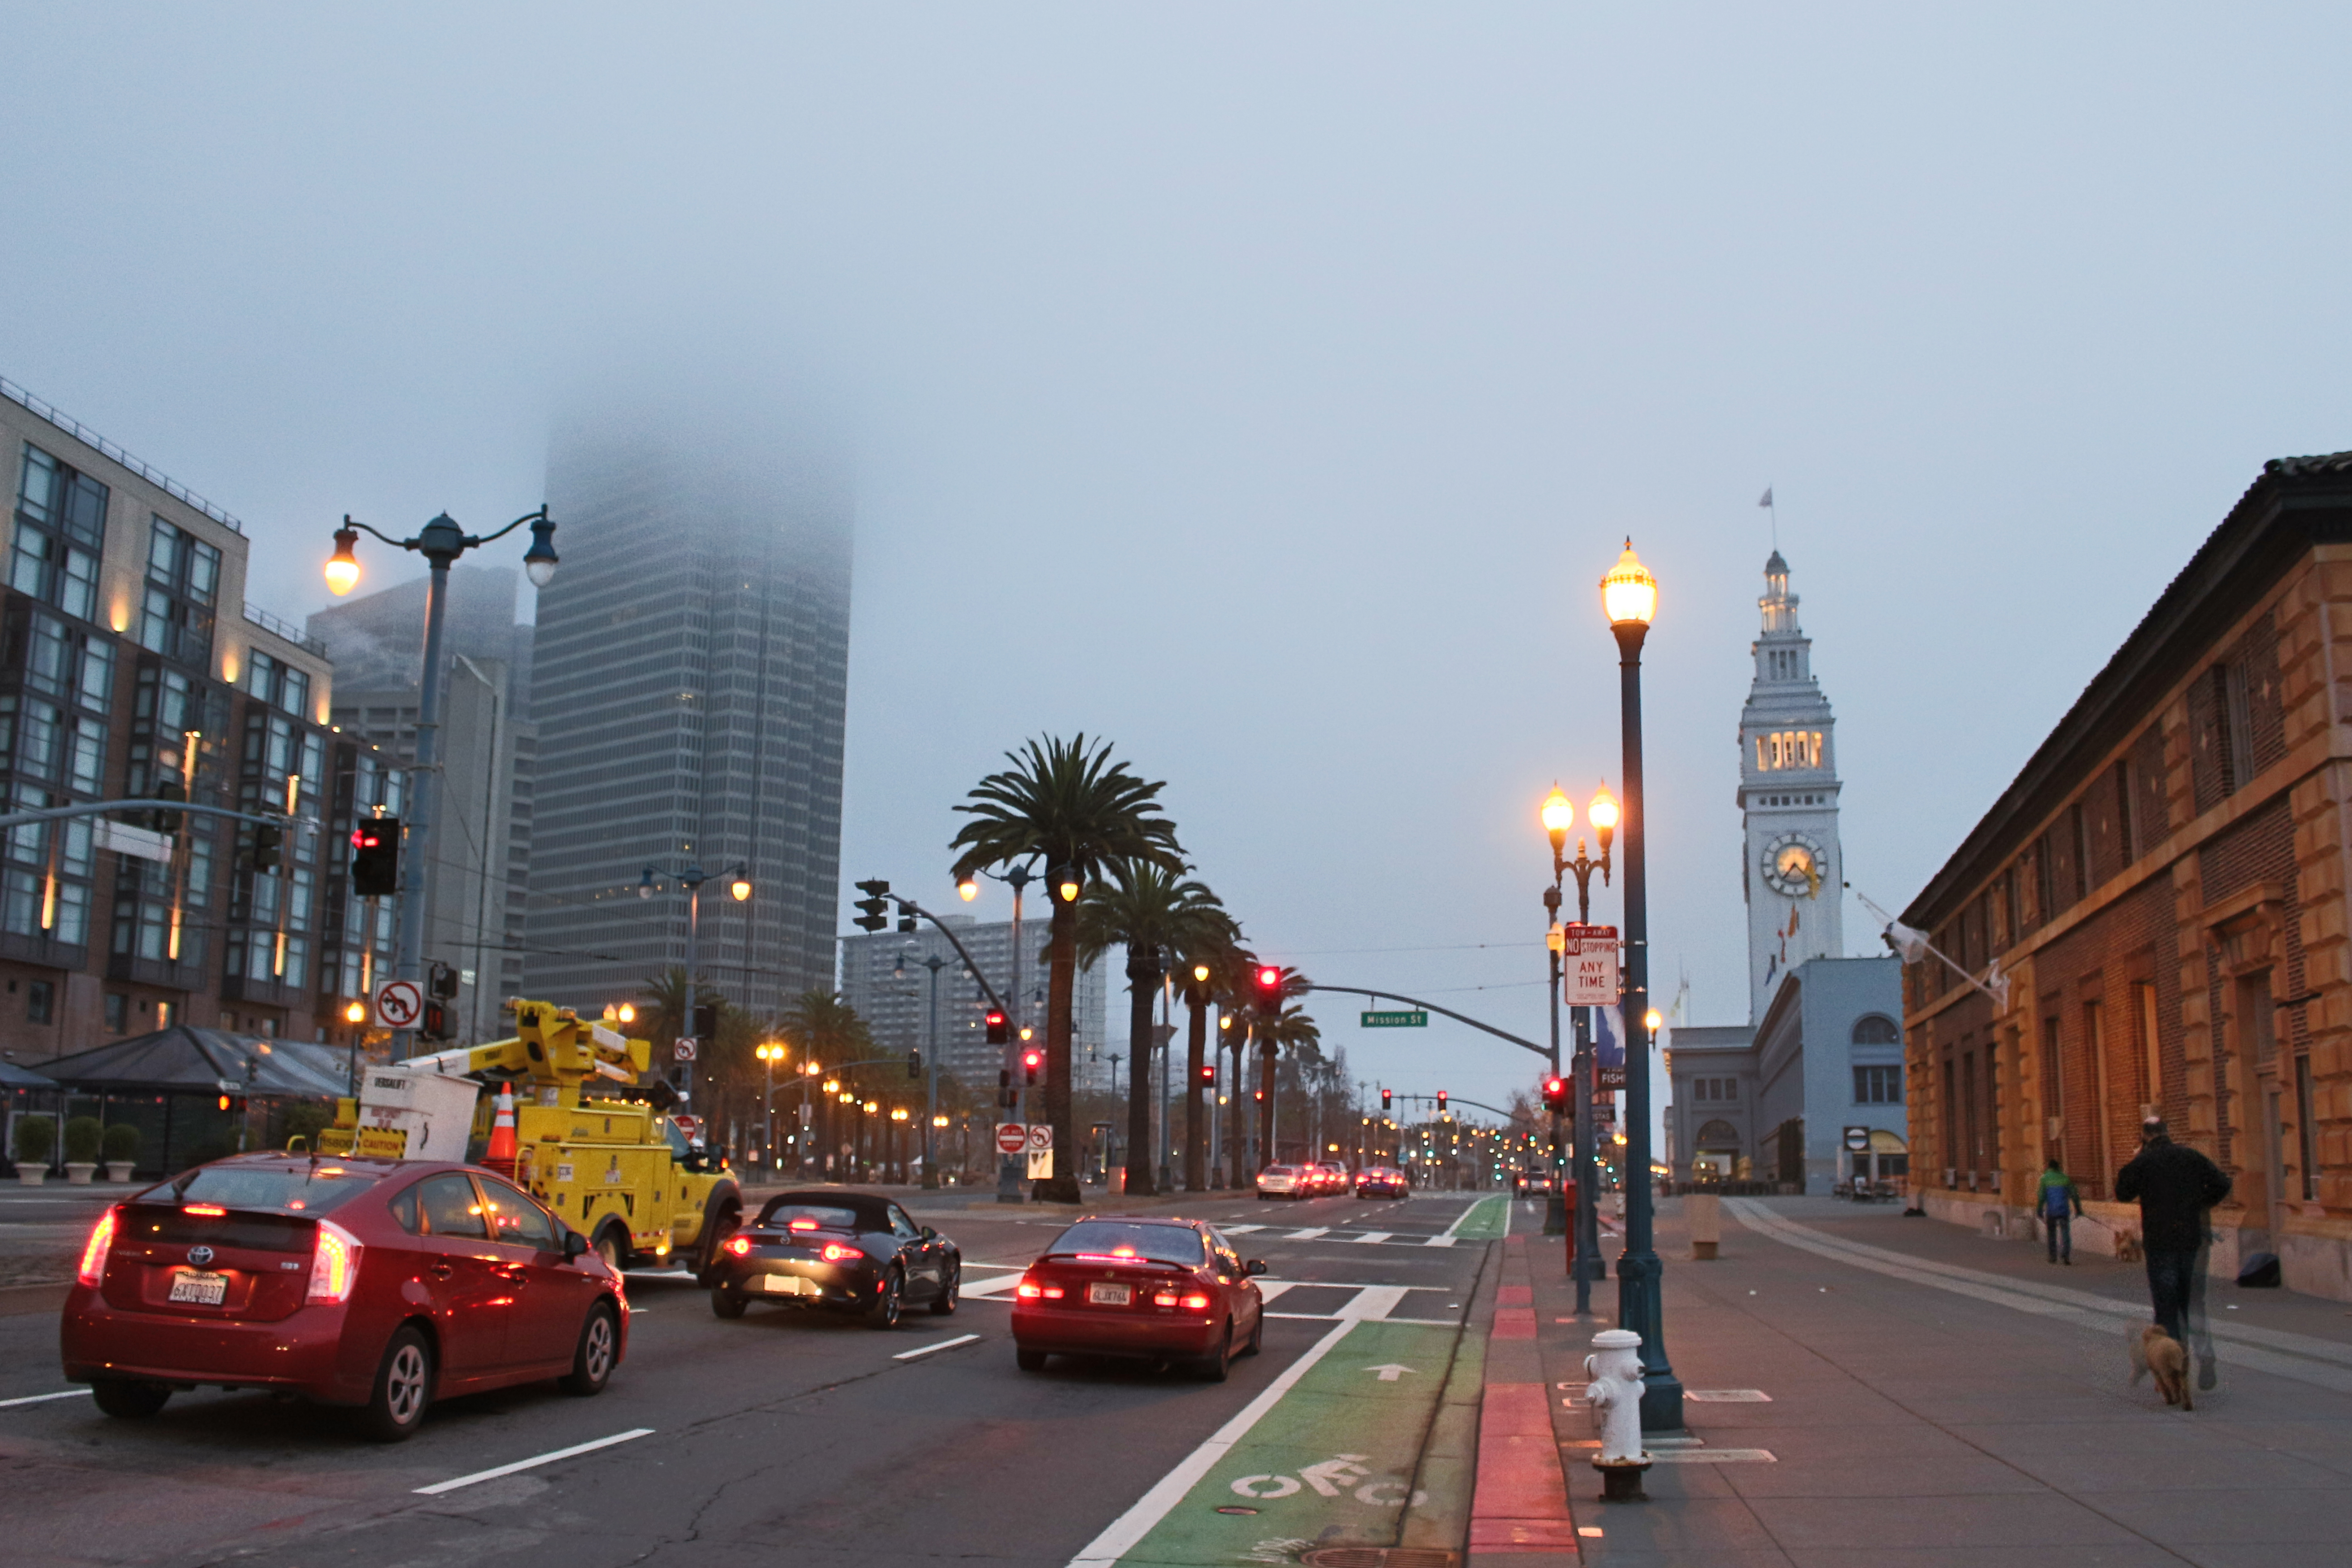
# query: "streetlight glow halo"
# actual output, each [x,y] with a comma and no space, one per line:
[1629,594]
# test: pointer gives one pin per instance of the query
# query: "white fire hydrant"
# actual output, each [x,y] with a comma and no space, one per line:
[1614,1396]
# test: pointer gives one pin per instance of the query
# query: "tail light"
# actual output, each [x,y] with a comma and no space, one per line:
[210,1211]
[837,1253]
[1027,1291]
[1196,1302]
[93,1253]
[741,1246]
[1165,1298]
[334,1265]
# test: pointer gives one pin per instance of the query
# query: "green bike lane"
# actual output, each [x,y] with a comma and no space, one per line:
[1368,1439]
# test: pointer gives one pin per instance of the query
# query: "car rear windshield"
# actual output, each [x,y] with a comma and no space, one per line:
[301,1189]
[1280,1171]
[1177,1244]
[781,1212]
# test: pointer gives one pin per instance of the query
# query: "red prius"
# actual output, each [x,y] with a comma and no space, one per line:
[380,1284]
[1153,1289]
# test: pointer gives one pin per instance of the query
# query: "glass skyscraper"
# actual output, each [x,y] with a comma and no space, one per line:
[689,679]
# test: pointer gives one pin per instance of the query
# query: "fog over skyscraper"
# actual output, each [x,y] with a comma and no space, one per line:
[690,674]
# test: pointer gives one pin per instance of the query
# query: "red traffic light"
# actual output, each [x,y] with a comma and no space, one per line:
[999,1030]
[1031,1059]
[1555,1093]
[1269,978]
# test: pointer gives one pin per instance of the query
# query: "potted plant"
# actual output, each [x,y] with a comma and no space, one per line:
[37,1138]
[83,1134]
[121,1150]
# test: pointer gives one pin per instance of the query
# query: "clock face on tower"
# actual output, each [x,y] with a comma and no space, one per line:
[1792,866]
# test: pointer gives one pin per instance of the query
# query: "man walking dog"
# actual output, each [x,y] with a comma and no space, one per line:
[2175,1185]
[2058,1204]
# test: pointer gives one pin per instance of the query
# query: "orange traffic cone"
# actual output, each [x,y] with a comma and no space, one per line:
[501,1154]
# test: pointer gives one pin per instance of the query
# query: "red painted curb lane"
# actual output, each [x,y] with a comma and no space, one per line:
[1514,1323]
[1521,1499]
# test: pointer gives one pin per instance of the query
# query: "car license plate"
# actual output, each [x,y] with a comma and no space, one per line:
[1111,1295]
[780,1284]
[199,1288]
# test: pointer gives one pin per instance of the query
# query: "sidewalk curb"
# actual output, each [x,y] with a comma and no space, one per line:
[1448,1472]
[1521,1512]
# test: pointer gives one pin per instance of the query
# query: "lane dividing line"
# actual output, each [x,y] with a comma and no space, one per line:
[941,1345]
[984,1289]
[1373,1238]
[42,1398]
[1309,1234]
[1446,1237]
[437,1488]
[1127,1531]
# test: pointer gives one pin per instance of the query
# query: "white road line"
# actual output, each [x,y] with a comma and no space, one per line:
[1129,1528]
[1373,1238]
[437,1488]
[1309,1234]
[43,1398]
[940,1345]
[1446,1237]
[984,1289]
[1374,1303]
[1274,1290]
[1240,1229]
[1016,1268]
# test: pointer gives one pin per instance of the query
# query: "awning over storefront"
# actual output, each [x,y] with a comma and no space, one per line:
[14,1076]
[213,1061]
[1881,1141]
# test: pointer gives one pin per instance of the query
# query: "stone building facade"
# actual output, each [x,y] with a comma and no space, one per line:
[2166,891]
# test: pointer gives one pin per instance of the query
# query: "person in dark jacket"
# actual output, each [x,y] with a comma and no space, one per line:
[2174,1186]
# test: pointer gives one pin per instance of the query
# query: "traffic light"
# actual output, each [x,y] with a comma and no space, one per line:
[1031,1061]
[1388,1100]
[1441,1102]
[1555,1093]
[268,846]
[1268,981]
[706,1021]
[906,920]
[434,1024]
[375,857]
[1208,1075]
[873,908]
[441,981]
[915,1063]
[1000,1029]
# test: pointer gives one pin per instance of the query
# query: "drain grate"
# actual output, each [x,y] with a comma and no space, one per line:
[1380,1557]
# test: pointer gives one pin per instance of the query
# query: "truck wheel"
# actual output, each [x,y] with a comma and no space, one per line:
[944,1302]
[613,1246]
[598,1353]
[726,1303]
[883,1313]
[128,1400]
[404,1387]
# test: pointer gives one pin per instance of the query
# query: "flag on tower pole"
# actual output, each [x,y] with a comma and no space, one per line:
[1766,499]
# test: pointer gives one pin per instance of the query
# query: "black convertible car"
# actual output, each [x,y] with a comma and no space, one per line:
[850,1252]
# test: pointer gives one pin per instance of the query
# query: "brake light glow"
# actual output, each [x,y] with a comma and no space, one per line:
[1026,1292]
[1165,1298]
[1196,1302]
[741,1246]
[837,1253]
[804,1224]
[1053,1292]
[1117,1255]
[334,1265]
[213,1210]
[93,1253]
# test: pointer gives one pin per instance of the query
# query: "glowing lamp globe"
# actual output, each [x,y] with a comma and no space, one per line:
[1629,594]
[1559,816]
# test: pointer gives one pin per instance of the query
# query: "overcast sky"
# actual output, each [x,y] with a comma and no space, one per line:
[1266,388]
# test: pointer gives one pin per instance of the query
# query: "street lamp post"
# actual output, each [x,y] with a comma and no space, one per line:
[440,541]
[1630,595]
[931,1077]
[770,1054]
[739,884]
[1010,1167]
[1602,814]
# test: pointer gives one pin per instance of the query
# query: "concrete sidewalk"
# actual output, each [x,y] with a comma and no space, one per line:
[1929,1400]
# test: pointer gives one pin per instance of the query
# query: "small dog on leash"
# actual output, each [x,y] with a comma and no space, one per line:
[2126,1247]
[2158,1354]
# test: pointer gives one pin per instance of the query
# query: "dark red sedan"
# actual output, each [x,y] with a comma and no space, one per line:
[1152,1289]
[382,1284]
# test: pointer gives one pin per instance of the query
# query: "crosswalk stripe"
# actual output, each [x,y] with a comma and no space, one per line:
[1372,1237]
[1309,1234]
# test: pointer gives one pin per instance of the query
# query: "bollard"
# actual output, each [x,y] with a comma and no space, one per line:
[1614,1396]
[1703,1211]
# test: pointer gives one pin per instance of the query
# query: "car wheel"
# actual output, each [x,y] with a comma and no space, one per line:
[944,1303]
[727,1223]
[128,1400]
[726,1303]
[1257,1335]
[598,1354]
[1213,1369]
[404,1387]
[1029,1361]
[883,1313]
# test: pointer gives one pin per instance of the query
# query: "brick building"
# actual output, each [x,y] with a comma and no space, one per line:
[2167,892]
[130,664]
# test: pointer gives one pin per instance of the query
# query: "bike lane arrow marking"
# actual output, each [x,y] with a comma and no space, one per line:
[1390,1372]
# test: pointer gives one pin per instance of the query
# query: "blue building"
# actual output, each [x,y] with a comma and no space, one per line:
[1818,1067]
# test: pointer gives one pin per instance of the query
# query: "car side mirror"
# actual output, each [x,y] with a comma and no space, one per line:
[574,1245]
[1255,1266]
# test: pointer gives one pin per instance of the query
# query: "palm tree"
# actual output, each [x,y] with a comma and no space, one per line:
[825,1028]
[1070,805]
[1147,910]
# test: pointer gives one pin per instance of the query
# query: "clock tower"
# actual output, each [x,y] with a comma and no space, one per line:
[1794,872]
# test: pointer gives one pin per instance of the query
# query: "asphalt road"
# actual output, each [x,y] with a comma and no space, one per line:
[783,1431]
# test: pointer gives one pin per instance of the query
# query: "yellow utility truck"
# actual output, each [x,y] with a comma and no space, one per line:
[589,1143]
